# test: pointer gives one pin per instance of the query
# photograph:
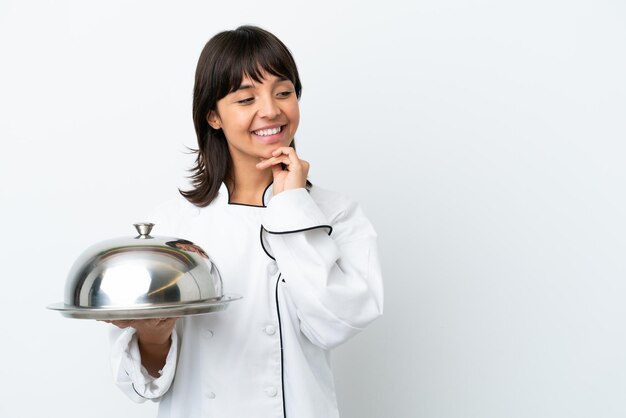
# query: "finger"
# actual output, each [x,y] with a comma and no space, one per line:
[120,323]
[276,170]
[159,323]
[284,159]
[166,322]
[279,151]
[279,158]
[290,151]
[152,322]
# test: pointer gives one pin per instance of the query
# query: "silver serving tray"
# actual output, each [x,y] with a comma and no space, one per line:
[145,312]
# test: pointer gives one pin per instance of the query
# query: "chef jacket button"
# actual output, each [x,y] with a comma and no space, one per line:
[208,333]
[272,268]
[271,391]
[270,330]
[210,395]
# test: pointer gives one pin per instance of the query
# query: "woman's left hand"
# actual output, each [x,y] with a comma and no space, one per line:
[293,176]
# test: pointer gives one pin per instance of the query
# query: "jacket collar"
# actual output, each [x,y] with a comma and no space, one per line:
[223,196]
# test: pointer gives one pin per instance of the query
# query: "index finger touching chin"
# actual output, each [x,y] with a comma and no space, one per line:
[289,151]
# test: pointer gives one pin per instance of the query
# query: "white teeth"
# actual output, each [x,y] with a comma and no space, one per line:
[266,132]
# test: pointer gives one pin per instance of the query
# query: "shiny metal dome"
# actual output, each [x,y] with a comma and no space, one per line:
[142,277]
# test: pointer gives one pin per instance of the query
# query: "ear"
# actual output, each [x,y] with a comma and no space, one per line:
[214,120]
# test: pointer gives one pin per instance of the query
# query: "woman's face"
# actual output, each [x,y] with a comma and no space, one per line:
[258,118]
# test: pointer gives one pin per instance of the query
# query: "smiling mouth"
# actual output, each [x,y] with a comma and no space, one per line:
[268,132]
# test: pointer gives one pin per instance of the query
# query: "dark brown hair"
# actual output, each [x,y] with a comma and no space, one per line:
[225,59]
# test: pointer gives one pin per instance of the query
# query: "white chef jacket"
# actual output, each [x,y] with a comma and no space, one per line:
[306,264]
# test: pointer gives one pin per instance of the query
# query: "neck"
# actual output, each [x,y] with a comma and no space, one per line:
[248,182]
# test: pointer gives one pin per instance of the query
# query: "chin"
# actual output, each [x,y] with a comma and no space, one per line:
[267,153]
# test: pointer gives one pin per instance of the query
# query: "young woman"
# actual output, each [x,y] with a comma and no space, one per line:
[304,258]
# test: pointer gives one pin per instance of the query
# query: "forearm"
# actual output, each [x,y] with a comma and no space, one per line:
[154,339]
[153,355]
[129,372]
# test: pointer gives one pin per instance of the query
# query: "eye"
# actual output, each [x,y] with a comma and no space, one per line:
[285,93]
[247,100]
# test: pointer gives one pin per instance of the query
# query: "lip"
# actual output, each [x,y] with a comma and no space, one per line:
[270,139]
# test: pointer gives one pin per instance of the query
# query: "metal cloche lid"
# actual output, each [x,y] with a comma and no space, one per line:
[142,277]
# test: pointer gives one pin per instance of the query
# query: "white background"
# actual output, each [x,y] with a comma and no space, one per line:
[484,139]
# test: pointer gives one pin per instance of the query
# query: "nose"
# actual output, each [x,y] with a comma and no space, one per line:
[269,108]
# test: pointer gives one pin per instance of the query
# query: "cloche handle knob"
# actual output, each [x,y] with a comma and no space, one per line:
[144,229]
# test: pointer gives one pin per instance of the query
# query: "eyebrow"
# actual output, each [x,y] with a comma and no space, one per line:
[250,86]
[245,86]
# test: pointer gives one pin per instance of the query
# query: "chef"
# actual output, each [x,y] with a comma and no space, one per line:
[304,258]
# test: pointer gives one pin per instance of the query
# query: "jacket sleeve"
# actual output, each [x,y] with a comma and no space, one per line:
[130,376]
[329,263]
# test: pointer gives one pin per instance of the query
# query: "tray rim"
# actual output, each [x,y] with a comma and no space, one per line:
[145,312]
